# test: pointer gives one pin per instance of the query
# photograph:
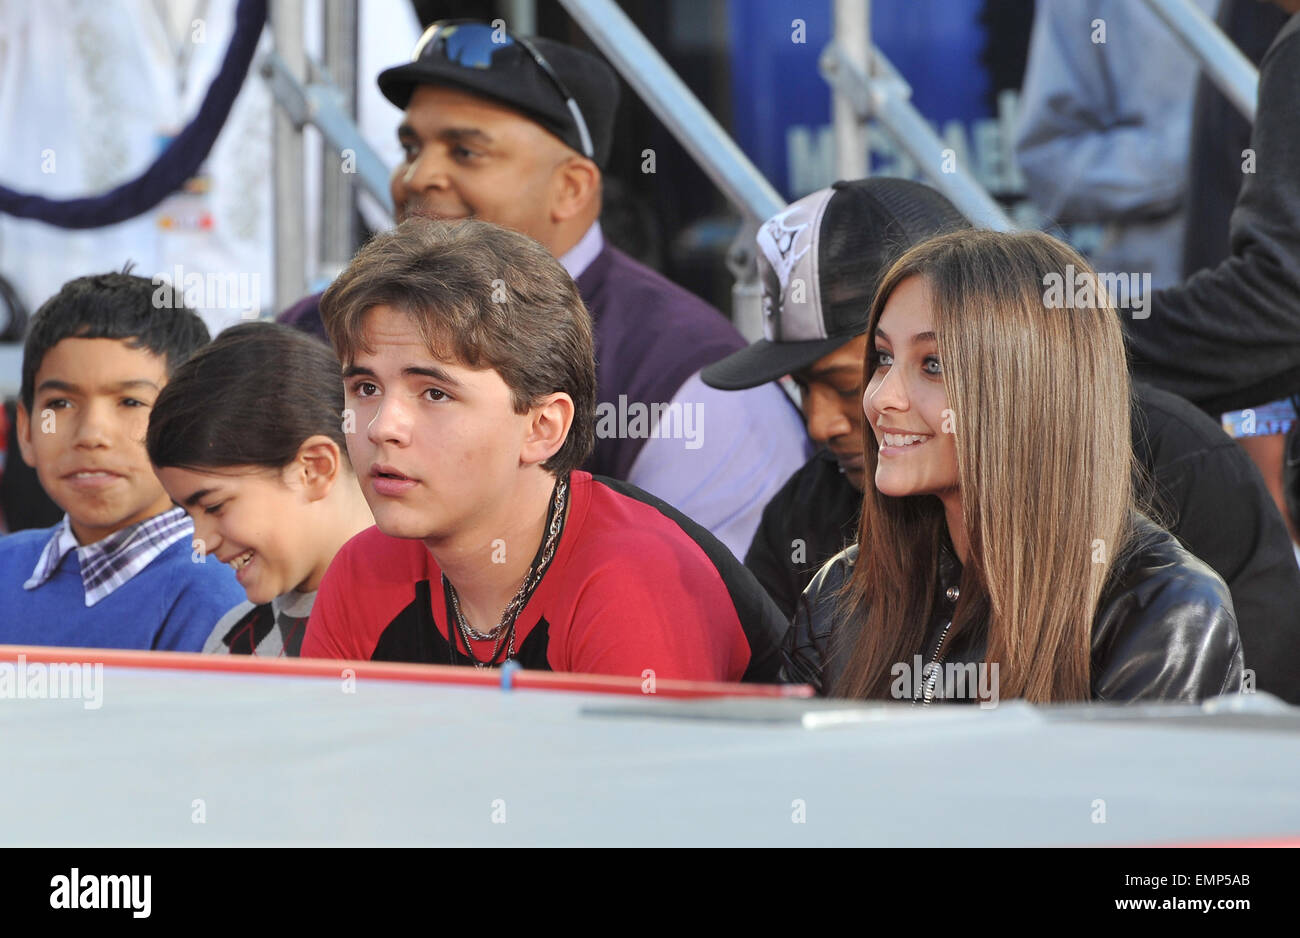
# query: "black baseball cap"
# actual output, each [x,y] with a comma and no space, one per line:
[819,262]
[542,79]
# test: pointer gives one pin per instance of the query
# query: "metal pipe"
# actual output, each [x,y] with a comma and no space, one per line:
[289,197]
[887,97]
[338,208]
[852,32]
[922,144]
[1223,62]
[520,16]
[318,104]
[655,82]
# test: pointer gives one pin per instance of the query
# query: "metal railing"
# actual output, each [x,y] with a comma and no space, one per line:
[884,95]
[306,93]
[880,92]
[726,165]
[289,195]
[864,83]
[1223,62]
[851,26]
[655,83]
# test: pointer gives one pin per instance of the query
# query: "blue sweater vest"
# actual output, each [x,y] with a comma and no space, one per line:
[170,605]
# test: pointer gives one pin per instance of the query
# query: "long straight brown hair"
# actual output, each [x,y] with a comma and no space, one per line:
[1041,411]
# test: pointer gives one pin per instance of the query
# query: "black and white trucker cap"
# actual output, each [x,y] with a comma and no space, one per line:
[819,262]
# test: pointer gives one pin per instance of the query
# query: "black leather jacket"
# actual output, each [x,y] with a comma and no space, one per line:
[1164,628]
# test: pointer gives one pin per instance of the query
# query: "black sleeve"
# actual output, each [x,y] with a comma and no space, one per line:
[1227,518]
[1174,640]
[805,652]
[769,554]
[801,658]
[1229,337]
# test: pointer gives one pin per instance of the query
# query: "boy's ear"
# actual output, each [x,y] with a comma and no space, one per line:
[24,422]
[548,428]
[318,466]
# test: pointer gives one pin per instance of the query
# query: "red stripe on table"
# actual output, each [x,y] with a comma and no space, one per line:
[395,671]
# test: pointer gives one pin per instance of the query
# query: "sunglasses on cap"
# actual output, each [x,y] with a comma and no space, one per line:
[471,44]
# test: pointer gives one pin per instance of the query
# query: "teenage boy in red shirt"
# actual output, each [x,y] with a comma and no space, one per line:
[470,395]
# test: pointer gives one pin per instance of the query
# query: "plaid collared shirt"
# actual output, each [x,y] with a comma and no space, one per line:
[111,562]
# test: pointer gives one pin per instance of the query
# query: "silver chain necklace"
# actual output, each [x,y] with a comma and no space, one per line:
[531,579]
[495,637]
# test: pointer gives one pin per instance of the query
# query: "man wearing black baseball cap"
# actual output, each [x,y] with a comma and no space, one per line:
[820,261]
[515,131]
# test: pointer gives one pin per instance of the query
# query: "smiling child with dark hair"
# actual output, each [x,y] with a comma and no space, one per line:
[261,465]
[117,571]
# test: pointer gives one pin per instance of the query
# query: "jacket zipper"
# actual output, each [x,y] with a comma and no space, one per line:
[937,660]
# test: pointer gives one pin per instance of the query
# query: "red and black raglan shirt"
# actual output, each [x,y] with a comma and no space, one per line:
[634,585]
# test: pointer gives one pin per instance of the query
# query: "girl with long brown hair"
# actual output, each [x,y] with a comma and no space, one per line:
[999,529]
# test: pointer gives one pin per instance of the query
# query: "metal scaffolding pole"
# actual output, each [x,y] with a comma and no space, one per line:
[338,207]
[655,83]
[852,30]
[318,104]
[886,96]
[520,16]
[290,197]
[1223,62]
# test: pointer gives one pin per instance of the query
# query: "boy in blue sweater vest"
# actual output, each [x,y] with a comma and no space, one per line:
[120,569]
